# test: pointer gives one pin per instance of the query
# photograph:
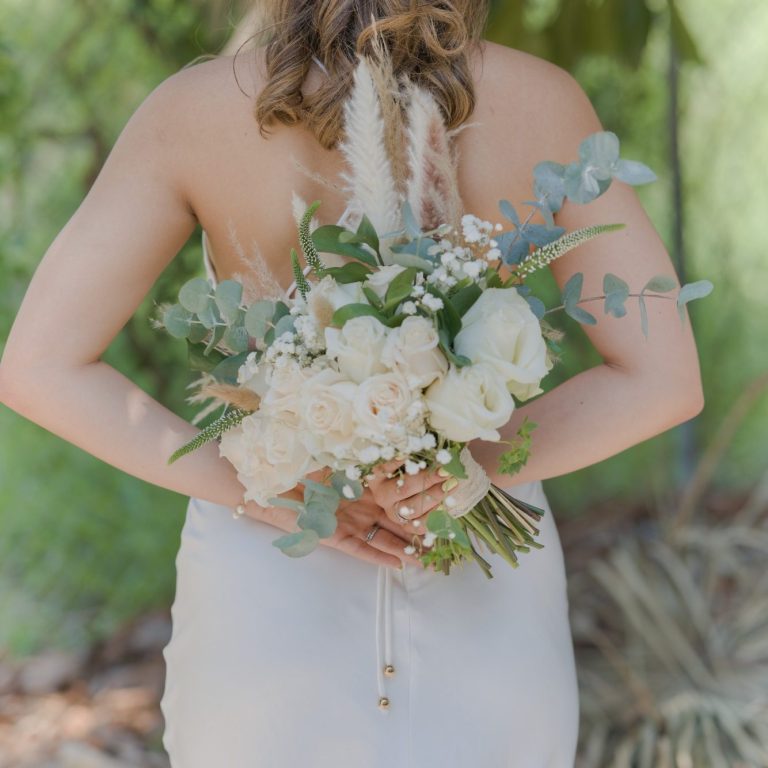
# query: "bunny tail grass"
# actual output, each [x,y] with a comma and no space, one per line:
[228,420]
[546,255]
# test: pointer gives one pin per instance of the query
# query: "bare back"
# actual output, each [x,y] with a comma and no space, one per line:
[242,187]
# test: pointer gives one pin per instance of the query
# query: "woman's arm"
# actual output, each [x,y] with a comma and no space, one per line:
[131,224]
[642,387]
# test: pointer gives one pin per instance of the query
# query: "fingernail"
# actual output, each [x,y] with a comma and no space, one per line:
[450,484]
[442,472]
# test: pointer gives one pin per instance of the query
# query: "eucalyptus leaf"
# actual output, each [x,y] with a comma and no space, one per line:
[509,212]
[226,370]
[285,324]
[339,481]
[549,184]
[216,337]
[691,291]
[660,284]
[616,293]
[294,504]
[258,318]
[540,235]
[409,219]
[572,289]
[634,173]
[536,305]
[599,153]
[178,321]
[197,333]
[228,295]
[297,544]
[236,338]
[319,519]
[581,315]
[194,294]
[209,316]
[643,315]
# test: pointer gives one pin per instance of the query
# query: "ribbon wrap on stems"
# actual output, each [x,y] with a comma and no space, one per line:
[471,490]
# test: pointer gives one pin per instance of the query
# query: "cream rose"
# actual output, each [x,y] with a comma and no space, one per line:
[412,350]
[501,330]
[380,279]
[357,347]
[268,454]
[285,391]
[328,421]
[468,403]
[382,407]
[327,296]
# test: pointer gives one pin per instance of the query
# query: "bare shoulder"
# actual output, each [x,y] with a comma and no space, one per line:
[536,101]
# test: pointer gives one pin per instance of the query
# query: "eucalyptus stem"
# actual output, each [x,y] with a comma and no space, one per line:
[601,298]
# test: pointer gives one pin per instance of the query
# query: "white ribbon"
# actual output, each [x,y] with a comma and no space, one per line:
[471,489]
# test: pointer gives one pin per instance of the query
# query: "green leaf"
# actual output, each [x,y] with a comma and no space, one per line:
[448,316]
[400,288]
[297,544]
[319,519]
[455,466]
[197,333]
[226,421]
[493,279]
[691,291]
[326,240]
[660,284]
[464,298]
[258,318]
[367,233]
[348,311]
[445,345]
[286,324]
[616,293]
[514,459]
[178,321]
[373,297]
[199,361]
[442,523]
[354,272]
[228,295]
[194,294]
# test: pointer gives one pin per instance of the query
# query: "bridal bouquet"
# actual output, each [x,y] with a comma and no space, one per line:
[424,340]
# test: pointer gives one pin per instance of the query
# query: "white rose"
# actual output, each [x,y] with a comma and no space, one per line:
[327,296]
[468,403]
[328,422]
[268,454]
[412,350]
[357,346]
[379,281]
[285,391]
[500,329]
[381,407]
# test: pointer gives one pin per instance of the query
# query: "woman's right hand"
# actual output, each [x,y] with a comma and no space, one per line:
[355,518]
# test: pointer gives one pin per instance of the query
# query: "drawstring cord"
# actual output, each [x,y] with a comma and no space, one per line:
[384,664]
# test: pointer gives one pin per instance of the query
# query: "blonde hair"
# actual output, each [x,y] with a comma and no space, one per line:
[426,41]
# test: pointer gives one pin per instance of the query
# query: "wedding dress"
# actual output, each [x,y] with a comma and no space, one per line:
[279,662]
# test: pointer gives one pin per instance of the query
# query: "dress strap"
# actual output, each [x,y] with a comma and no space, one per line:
[210,270]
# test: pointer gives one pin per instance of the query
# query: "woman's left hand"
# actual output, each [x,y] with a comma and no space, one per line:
[401,495]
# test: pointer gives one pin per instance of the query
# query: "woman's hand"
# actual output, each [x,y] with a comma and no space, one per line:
[408,496]
[355,518]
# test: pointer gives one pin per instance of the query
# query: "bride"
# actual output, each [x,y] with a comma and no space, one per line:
[325,660]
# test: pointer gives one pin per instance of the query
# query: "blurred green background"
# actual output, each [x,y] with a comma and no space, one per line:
[83,546]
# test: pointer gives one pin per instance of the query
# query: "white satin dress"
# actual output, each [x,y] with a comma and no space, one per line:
[278,662]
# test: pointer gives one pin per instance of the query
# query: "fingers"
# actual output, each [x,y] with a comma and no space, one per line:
[364,551]
[391,543]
